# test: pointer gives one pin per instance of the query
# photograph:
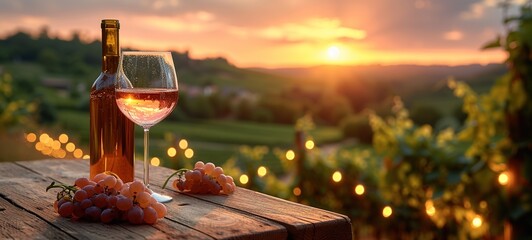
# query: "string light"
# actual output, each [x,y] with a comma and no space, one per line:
[476,222]
[31,137]
[70,147]
[387,211]
[290,155]
[337,176]
[63,138]
[429,208]
[244,179]
[183,144]
[297,191]
[359,189]
[155,161]
[189,153]
[78,153]
[309,144]
[262,171]
[171,152]
[504,178]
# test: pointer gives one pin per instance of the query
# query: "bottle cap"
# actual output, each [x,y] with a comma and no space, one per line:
[110,23]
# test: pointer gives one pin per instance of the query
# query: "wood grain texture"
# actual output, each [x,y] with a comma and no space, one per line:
[245,214]
[184,212]
[301,221]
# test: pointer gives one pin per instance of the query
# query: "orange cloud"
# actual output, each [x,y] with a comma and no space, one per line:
[312,30]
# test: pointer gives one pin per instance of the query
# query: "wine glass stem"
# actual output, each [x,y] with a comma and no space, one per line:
[146,162]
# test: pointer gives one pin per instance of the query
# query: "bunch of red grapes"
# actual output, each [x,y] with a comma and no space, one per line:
[106,198]
[206,178]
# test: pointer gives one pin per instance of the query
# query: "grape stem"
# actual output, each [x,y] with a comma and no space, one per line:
[180,171]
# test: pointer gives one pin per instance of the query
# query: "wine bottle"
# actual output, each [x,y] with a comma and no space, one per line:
[111,133]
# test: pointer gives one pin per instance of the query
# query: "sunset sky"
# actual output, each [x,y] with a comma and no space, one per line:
[280,33]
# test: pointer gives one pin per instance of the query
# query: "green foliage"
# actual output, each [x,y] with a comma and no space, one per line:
[424,114]
[14,109]
[357,126]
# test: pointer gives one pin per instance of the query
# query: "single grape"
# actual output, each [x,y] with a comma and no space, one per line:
[217,171]
[215,188]
[100,200]
[160,209]
[89,189]
[80,195]
[143,197]
[199,165]
[209,168]
[108,215]
[77,210]
[65,210]
[81,182]
[148,190]
[59,203]
[93,213]
[136,187]
[124,203]
[150,215]
[111,201]
[227,188]
[229,179]
[221,179]
[85,203]
[109,181]
[196,175]
[188,175]
[135,215]
[98,177]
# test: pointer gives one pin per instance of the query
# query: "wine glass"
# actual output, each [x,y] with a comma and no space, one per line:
[146,92]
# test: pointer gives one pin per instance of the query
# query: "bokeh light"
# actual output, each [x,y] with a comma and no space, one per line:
[155,161]
[309,144]
[387,211]
[44,138]
[189,153]
[504,178]
[86,156]
[183,144]
[78,153]
[337,176]
[359,189]
[244,179]
[297,191]
[171,152]
[31,137]
[476,222]
[70,147]
[63,138]
[290,155]
[262,171]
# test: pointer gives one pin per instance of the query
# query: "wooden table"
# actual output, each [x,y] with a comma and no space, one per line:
[26,211]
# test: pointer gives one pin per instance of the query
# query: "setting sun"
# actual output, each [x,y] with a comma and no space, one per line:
[333,53]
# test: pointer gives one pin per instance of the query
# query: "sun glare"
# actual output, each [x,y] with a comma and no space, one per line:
[333,53]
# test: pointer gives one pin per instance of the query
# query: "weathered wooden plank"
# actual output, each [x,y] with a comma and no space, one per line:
[205,217]
[26,189]
[16,223]
[302,222]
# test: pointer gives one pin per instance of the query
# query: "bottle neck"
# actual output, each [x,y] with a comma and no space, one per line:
[110,50]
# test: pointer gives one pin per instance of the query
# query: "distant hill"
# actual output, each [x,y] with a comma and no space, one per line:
[392,73]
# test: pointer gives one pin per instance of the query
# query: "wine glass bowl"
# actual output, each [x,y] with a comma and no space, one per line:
[146,92]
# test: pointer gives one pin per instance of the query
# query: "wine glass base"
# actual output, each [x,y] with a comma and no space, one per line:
[161,198]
